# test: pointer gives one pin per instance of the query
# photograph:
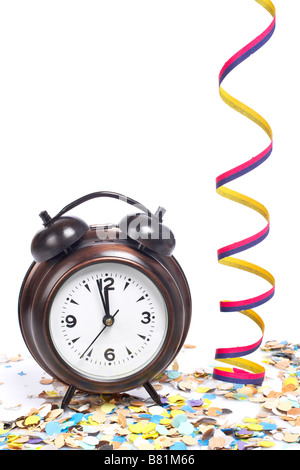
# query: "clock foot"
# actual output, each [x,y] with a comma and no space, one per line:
[153,393]
[68,396]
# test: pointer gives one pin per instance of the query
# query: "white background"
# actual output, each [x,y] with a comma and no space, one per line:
[123,96]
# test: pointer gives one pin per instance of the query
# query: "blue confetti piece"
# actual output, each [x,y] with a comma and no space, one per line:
[186,428]
[178,446]
[77,417]
[161,429]
[227,430]
[180,418]
[119,439]
[52,428]
[65,426]
[156,418]
[203,443]
[173,374]
[187,408]
[209,396]
[233,443]
[241,396]
[145,415]
[236,386]
[21,373]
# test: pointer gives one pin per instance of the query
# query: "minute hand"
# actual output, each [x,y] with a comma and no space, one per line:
[97,336]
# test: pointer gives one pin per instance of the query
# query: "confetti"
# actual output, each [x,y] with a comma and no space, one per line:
[33,419]
[198,418]
[52,428]
[266,443]
[107,408]
[186,428]
[216,443]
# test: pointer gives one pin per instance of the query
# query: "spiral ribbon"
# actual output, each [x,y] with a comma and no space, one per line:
[243,370]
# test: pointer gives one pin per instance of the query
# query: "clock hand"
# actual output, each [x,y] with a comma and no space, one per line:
[107,319]
[104,300]
[110,323]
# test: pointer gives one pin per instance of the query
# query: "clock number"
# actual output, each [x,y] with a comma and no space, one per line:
[106,283]
[71,321]
[109,354]
[146,318]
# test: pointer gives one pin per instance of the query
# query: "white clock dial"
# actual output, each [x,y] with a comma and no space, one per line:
[108,321]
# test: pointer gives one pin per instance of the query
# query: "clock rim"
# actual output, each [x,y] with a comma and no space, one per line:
[177,292]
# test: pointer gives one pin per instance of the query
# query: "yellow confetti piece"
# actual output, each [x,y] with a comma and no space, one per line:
[165,421]
[14,446]
[266,444]
[136,409]
[250,420]
[238,425]
[51,393]
[254,427]
[176,398]
[107,407]
[135,428]
[83,422]
[139,428]
[202,389]
[206,402]
[176,412]
[133,437]
[148,428]
[33,419]
[291,380]
[151,435]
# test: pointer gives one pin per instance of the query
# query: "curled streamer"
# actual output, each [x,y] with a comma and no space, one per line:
[243,370]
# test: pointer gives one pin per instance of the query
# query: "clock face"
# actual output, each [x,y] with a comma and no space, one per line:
[108,321]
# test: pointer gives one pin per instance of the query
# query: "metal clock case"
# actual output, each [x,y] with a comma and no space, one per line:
[107,314]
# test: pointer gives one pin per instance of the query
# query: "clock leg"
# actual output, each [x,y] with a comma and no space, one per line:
[68,396]
[152,392]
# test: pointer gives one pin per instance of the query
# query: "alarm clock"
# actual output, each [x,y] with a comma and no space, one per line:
[104,308]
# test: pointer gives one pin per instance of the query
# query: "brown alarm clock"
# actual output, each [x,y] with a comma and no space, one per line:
[104,308]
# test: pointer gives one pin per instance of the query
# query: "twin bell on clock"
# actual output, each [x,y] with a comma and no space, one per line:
[104,308]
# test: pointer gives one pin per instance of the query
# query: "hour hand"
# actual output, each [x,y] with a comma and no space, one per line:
[108,318]
[104,299]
